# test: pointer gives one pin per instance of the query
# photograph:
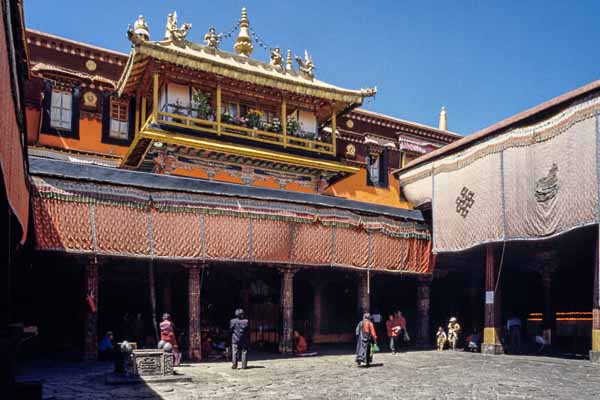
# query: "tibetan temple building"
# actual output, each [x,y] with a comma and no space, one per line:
[193,179]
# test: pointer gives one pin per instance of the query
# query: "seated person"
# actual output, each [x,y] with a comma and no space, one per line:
[474,341]
[106,348]
[301,345]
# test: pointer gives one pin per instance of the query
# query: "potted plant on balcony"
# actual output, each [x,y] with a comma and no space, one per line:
[294,127]
[201,105]
[226,118]
[253,119]
[274,126]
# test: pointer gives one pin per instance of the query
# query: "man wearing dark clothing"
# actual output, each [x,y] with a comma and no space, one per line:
[239,339]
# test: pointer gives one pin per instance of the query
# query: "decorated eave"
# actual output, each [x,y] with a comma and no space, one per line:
[278,74]
[175,218]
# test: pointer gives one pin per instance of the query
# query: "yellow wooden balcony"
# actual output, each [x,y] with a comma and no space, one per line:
[216,128]
[162,119]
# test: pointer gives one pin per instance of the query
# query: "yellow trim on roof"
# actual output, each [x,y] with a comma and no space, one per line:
[233,66]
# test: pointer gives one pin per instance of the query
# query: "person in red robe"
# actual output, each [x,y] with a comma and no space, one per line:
[366,336]
[167,334]
[301,345]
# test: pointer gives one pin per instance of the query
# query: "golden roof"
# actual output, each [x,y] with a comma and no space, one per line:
[235,66]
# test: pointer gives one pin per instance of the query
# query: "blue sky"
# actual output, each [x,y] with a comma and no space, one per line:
[483,60]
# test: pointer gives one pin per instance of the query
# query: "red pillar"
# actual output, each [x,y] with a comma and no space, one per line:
[286,343]
[90,351]
[194,351]
[364,297]
[493,321]
[317,307]
[423,293]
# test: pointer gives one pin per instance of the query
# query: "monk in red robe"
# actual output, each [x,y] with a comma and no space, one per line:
[167,334]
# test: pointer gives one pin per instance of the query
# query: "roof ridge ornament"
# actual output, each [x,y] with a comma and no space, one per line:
[288,62]
[306,66]
[243,44]
[276,58]
[172,32]
[212,39]
[140,30]
[443,126]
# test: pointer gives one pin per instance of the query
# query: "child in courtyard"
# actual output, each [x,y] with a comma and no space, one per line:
[441,338]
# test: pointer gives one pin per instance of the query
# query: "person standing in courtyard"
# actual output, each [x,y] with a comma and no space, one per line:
[441,338]
[167,334]
[365,337]
[401,330]
[453,332]
[392,332]
[239,339]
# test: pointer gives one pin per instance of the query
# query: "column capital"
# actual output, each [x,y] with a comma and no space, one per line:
[288,269]
[194,264]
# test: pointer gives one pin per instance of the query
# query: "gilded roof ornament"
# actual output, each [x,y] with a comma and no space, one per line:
[140,30]
[306,66]
[211,39]
[276,58]
[243,44]
[288,61]
[443,119]
[172,32]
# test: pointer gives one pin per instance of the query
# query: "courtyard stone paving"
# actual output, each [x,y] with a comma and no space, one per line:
[412,375]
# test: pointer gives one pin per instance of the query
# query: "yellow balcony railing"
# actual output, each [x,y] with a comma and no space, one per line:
[205,126]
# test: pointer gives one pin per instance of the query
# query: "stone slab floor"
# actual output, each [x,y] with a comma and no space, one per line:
[412,375]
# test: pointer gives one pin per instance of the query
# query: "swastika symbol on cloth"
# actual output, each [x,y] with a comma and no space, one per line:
[464,201]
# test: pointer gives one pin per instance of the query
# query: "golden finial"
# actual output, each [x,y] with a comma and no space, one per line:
[243,44]
[443,119]
[288,61]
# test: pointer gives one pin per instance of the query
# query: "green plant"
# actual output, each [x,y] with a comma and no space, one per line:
[201,104]
[293,126]
[275,126]
[253,119]
[225,117]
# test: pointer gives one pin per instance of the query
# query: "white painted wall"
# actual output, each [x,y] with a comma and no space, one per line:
[308,120]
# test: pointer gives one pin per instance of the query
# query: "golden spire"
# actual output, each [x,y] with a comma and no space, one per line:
[243,44]
[288,61]
[443,119]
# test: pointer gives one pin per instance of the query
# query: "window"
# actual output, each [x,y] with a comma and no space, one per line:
[118,120]
[377,169]
[373,167]
[60,111]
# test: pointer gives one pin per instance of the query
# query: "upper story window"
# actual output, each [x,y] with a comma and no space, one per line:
[60,111]
[118,120]
[377,169]
[373,165]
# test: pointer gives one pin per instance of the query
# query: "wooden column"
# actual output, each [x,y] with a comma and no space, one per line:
[167,294]
[218,108]
[317,308]
[155,97]
[364,297]
[90,351]
[595,352]
[194,350]
[286,343]
[284,121]
[423,291]
[143,109]
[333,128]
[492,330]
